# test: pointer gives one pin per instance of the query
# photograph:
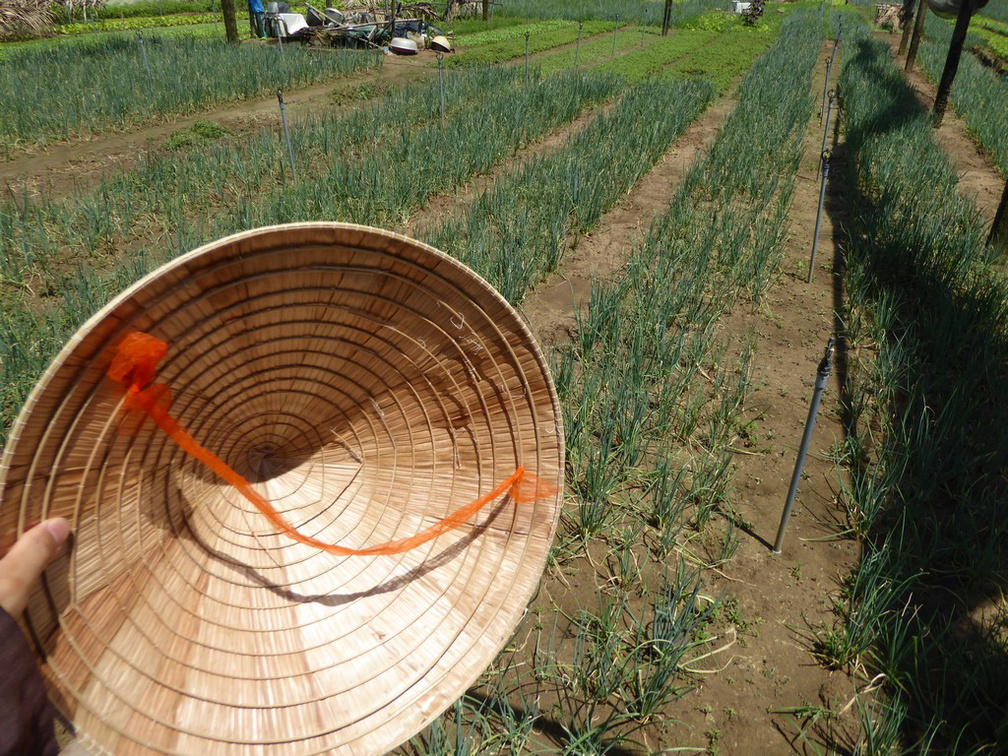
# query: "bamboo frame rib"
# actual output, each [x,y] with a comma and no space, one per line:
[366,386]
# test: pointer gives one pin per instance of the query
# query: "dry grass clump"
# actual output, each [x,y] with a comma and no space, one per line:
[24,18]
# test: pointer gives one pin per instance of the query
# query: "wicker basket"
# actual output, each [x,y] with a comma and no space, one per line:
[367,385]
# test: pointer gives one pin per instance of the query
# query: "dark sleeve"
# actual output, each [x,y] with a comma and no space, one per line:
[26,715]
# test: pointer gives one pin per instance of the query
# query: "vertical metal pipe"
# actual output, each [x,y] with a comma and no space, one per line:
[290,150]
[615,29]
[440,75]
[643,28]
[818,219]
[822,376]
[143,52]
[526,57]
[825,87]
[577,48]
[826,125]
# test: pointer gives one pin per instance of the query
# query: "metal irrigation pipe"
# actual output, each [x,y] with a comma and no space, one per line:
[440,75]
[829,113]
[825,87]
[822,376]
[824,159]
[577,47]
[290,150]
[643,28]
[615,29]
[143,51]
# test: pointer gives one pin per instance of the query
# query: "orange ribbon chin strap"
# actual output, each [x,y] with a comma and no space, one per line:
[134,368]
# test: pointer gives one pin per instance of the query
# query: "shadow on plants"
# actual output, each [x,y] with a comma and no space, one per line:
[927,429]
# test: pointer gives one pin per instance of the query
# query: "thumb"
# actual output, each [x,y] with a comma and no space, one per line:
[24,563]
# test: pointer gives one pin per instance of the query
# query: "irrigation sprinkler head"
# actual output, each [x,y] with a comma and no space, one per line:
[826,155]
[827,361]
[832,94]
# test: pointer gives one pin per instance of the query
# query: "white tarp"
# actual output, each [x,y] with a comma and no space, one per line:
[292,23]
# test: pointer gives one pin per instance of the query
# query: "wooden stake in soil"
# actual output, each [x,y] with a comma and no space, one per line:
[918,30]
[999,228]
[952,61]
[906,14]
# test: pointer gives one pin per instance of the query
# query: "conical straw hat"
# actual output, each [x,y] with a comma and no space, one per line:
[365,384]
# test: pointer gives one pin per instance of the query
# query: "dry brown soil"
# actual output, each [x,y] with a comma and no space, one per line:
[776,601]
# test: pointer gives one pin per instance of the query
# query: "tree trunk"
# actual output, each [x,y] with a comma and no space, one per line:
[230,21]
[999,229]
[915,41]
[952,61]
[486,10]
[907,17]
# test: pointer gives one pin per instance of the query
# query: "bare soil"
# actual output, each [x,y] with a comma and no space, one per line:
[775,603]
[783,600]
[550,307]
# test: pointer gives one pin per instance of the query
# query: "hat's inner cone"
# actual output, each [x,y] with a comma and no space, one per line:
[364,407]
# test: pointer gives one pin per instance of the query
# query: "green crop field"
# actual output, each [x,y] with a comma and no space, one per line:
[646,203]
[977,94]
[929,297]
[119,80]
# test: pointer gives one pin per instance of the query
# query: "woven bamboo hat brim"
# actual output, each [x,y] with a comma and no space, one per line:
[367,385]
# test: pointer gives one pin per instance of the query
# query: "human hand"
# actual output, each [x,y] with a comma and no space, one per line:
[26,560]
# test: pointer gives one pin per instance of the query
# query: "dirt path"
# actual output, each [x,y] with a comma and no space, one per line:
[61,167]
[550,306]
[978,178]
[771,600]
[775,602]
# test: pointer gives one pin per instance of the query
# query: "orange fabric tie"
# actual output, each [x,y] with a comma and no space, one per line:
[134,368]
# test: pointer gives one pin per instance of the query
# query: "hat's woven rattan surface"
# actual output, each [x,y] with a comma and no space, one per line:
[367,385]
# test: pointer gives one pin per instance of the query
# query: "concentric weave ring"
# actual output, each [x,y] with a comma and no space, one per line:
[367,385]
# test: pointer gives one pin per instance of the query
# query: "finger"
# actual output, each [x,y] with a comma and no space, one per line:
[24,563]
